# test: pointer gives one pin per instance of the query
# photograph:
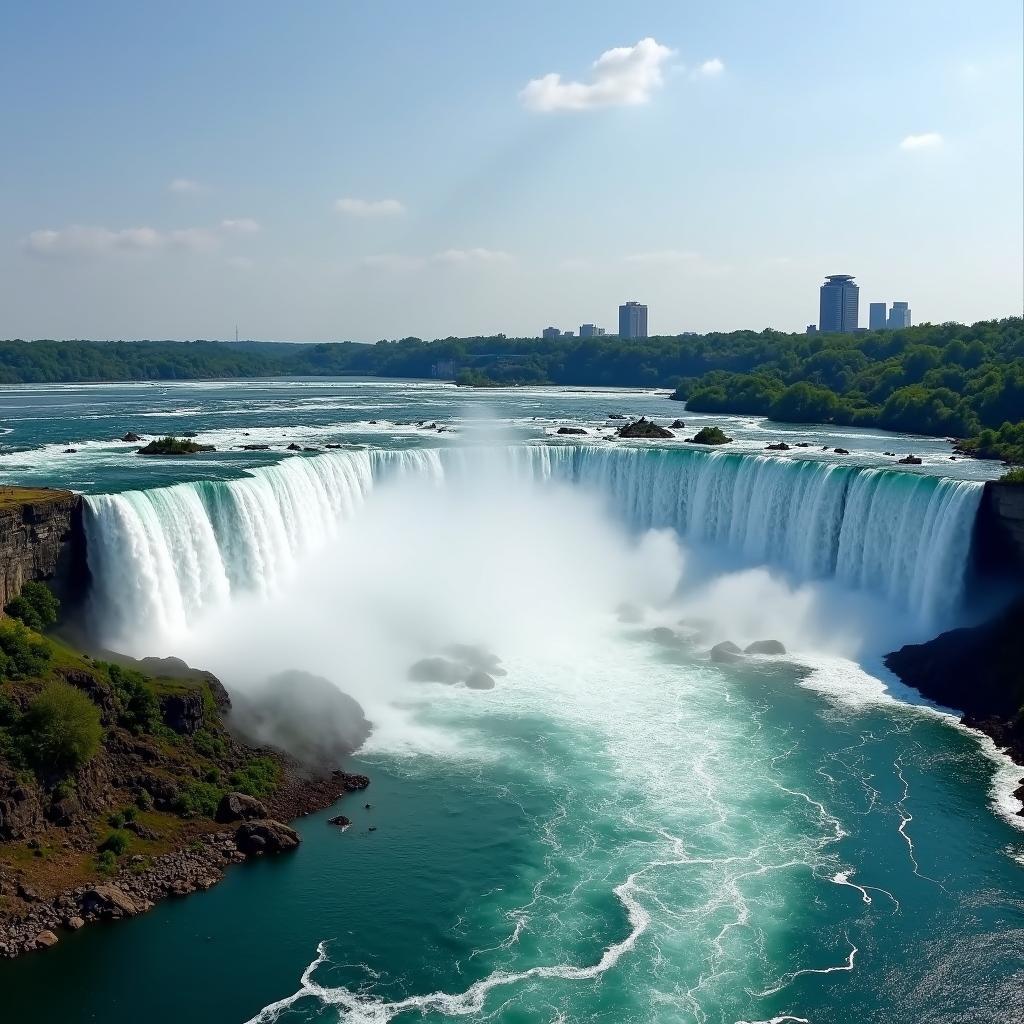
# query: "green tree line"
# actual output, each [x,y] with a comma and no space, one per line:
[965,381]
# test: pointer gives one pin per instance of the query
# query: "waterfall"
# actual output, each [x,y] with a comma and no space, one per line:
[165,555]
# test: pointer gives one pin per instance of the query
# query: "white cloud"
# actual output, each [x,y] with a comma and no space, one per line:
[664,256]
[369,207]
[709,69]
[624,76]
[462,257]
[391,262]
[186,187]
[89,240]
[240,225]
[928,140]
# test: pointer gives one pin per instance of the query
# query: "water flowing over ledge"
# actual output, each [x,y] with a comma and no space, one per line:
[166,555]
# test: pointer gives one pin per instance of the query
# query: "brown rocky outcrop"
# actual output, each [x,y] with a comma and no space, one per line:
[41,538]
[265,836]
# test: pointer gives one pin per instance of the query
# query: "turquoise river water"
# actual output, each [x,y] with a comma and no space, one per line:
[621,830]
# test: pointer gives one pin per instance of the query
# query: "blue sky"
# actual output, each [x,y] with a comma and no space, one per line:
[331,170]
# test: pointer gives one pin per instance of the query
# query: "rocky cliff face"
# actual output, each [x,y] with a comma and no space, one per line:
[999,534]
[41,538]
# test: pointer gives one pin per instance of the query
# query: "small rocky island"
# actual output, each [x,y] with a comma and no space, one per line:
[175,446]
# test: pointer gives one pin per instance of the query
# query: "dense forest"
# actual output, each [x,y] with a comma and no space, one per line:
[944,379]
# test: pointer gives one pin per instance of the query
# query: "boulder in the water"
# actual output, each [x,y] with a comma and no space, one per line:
[239,807]
[726,653]
[570,430]
[131,437]
[479,680]
[643,427]
[910,460]
[265,836]
[663,635]
[841,451]
[779,446]
[677,425]
[437,670]
[766,647]
[340,820]
[293,447]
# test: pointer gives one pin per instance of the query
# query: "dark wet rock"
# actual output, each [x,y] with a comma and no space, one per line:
[802,444]
[766,647]
[570,430]
[303,714]
[910,460]
[131,437]
[437,670]
[340,820]
[372,828]
[677,425]
[890,454]
[726,653]
[293,447]
[663,635]
[239,807]
[475,656]
[841,451]
[70,451]
[183,712]
[479,680]
[266,836]
[644,428]
[310,449]
[332,446]
[779,446]
[255,447]
[616,416]
[192,433]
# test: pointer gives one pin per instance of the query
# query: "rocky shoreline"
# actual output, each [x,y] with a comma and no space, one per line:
[253,828]
[979,670]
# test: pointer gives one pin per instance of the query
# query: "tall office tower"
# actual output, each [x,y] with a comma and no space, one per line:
[839,302]
[589,331]
[876,316]
[899,315]
[633,320]
[550,333]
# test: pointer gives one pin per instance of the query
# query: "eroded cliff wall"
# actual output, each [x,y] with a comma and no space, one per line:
[41,538]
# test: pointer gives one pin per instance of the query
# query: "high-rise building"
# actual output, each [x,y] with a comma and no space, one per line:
[838,310]
[633,320]
[591,331]
[899,315]
[876,316]
[811,329]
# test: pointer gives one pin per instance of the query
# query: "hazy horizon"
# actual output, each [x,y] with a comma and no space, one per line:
[341,173]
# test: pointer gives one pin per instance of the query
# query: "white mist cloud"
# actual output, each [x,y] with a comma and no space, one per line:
[462,257]
[82,240]
[186,187]
[352,207]
[623,76]
[927,140]
[709,69]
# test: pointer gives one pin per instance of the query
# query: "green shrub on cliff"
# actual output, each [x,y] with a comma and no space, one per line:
[61,728]
[259,778]
[198,799]
[138,708]
[22,653]
[1013,476]
[36,606]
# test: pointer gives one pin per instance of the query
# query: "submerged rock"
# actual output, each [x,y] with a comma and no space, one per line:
[131,437]
[841,451]
[779,446]
[726,653]
[340,820]
[910,460]
[766,647]
[570,430]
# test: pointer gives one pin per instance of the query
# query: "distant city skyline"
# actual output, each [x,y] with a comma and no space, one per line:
[365,185]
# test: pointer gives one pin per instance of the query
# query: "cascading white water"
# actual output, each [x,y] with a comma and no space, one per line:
[164,556]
